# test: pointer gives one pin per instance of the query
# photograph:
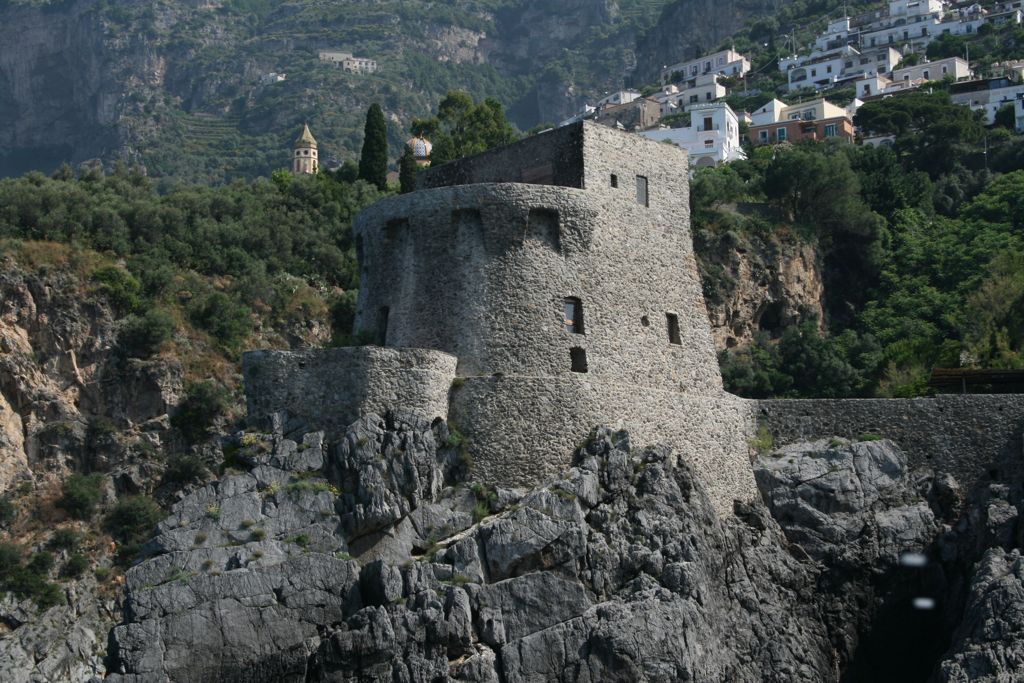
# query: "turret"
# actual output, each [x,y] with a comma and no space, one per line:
[304,159]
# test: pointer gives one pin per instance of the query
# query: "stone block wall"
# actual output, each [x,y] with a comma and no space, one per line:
[505,418]
[483,272]
[977,438]
[551,158]
[329,389]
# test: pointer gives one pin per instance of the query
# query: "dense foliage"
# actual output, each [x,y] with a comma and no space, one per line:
[463,127]
[268,251]
[922,248]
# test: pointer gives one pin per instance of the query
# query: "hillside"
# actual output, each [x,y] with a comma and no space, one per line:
[180,87]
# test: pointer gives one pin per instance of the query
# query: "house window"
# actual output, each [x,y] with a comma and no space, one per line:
[945,70]
[382,325]
[926,75]
[707,96]
[573,316]
[615,180]
[673,329]
[641,191]
[829,69]
[762,135]
[830,130]
[578,358]
[814,72]
[694,98]
[707,123]
[708,144]
[780,134]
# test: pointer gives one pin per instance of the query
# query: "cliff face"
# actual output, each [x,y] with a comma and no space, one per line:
[57,98]
[690,28]
[758,284]
[181,87]
[364,559]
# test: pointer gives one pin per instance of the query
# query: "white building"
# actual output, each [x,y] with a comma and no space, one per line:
[951,67]
[986,96]
[1019,112]
[770,112]
[620,97]
[712,138]
[348,62]
[583,113]
[725,63]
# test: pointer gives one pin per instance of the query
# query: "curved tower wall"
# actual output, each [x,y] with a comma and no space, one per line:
[482,271]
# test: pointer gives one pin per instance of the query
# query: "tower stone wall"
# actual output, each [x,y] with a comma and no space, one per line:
[483,271]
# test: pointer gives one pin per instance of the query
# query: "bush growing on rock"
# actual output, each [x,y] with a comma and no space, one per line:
[82,493]
[143,335]
[130,522]
[119,287]
[184,469]
[204,402]
[28,580]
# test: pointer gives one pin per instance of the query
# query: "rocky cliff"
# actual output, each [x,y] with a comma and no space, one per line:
[366,559]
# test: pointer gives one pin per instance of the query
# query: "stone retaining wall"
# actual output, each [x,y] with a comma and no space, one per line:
[976,438]
[505,418]
[329,389]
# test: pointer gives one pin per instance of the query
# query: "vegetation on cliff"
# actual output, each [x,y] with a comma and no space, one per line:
[921,243]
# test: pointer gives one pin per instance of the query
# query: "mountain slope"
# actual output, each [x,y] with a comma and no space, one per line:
[182,87]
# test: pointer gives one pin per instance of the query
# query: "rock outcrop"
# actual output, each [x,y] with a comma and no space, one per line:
[619,571]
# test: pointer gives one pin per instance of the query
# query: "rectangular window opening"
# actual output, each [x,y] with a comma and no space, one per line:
[578,357]
[673,329]
[573,317]
[382,326]
[615,180]
[641,191]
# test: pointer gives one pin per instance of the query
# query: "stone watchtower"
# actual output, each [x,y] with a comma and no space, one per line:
[560,272]
[304,157]
[529,294]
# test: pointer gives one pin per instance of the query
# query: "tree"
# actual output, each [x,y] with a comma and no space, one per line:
[373,162]
[463,127]
[407,170]
[1006,117]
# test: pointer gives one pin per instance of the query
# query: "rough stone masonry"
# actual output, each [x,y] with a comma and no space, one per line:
[534,291]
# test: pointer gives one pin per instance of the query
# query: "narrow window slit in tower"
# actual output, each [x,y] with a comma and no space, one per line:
[615,180]
[573,317]
[382,326]
[673,329]
[641,191]
[578,357]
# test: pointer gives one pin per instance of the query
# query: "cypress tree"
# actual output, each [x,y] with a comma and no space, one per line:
[407,170]
[373,162]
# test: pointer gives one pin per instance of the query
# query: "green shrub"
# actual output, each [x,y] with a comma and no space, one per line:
[130,522]
[64,539]
[869,436]
[184,469]
[29,580]
[763,441]
[119,287]
[204,403]
[82,493]
[227,320]
[8,512]
[143,335]
[76,566]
